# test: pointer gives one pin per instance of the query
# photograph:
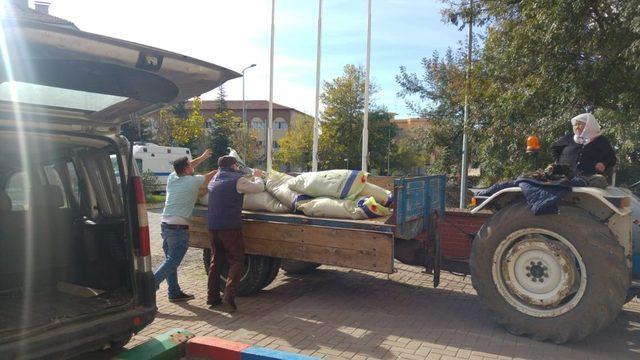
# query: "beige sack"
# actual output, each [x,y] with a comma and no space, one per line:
[263,202]
[383,196]
[278,185]
[332,208]
[339,184]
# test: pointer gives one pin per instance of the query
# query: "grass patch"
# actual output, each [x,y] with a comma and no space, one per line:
[154,199]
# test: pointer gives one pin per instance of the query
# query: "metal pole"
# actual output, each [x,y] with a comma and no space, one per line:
[244,109]
[465,149]
[388,148]
[269,125]
[365,126]
[316,121]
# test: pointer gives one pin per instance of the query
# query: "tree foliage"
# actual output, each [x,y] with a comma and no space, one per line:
[140,129]
[228,131]
[438,95]
[173,130]
[296,147]
[539,64]
[342,122]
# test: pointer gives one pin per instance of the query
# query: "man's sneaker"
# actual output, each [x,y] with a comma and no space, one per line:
[181,297]
[215,302]
[229,305]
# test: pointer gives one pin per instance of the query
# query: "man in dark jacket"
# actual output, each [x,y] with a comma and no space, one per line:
[586,152]
[226,194]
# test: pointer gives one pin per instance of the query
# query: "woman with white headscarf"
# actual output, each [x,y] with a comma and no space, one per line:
[586,152]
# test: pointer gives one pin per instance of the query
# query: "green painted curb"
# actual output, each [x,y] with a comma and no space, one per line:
[170,345]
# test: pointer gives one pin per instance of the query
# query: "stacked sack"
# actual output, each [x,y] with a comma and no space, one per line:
[343,194]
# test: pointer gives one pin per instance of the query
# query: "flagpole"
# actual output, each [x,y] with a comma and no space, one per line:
[365,126]
[465,146]
[270,122]
[316,121]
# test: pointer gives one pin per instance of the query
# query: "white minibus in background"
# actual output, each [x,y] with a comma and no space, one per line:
[158,160]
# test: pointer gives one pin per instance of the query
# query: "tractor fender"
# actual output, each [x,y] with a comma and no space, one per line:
[612,199]
[611,205]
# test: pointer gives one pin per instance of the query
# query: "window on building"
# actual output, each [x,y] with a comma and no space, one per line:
[281,124]
[257,123]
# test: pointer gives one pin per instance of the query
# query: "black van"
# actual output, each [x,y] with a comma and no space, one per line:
[75,264]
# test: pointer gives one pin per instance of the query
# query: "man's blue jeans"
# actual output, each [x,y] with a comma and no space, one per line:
[175,244]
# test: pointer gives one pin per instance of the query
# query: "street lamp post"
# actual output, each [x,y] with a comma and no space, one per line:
[244,110]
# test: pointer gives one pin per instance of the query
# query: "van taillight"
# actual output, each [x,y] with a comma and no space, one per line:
[143,229]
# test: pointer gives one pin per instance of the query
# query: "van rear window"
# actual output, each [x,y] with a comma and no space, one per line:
[26,93]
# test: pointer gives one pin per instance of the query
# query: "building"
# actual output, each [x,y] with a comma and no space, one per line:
[257,116]
[410,126]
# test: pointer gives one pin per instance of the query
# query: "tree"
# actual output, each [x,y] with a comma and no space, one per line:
[175,131]
[296,147]
[224,124]
[538,66]
[180,110]
[440,98]
[139,129]
[229,131]
[222,101]
[342,121]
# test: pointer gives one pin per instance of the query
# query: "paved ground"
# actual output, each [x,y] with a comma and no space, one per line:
[345,314]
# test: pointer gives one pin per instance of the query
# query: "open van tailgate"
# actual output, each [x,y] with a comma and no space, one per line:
[101,80]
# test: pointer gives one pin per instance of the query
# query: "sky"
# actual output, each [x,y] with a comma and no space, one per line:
[236,33]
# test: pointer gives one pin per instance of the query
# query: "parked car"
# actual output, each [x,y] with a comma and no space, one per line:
[75,262]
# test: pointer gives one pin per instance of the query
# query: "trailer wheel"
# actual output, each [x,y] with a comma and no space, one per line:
[298,267]
[274,268]
[257,270]
[553,277]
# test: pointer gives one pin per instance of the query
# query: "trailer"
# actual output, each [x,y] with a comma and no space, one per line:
[557,277]
[299,243]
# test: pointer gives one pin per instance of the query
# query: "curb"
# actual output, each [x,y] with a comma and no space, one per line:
[219,349]
[170,345]
[178,343]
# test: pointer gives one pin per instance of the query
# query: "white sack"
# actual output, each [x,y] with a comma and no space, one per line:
[263,202]
[383,196]
[332,208]
[278,185]
[340,184]
[204,199]
[241,165]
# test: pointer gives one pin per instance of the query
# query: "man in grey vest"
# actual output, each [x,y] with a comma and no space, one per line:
[226,194]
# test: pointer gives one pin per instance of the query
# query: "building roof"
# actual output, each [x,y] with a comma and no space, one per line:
[413,120]
[16,10]
[237,105]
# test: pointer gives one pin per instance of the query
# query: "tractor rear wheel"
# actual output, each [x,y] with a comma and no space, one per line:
[553,277]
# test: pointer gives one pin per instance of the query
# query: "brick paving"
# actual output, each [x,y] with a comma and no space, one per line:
[338,313]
